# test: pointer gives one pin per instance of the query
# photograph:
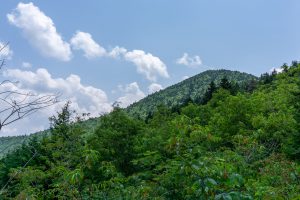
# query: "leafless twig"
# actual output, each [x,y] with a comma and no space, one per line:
[14,104]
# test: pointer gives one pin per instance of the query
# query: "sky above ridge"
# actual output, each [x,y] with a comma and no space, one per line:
[97,52]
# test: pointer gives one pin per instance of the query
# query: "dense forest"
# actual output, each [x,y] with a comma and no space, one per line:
[191,89]
[237,140]
[173,97]
[9,143]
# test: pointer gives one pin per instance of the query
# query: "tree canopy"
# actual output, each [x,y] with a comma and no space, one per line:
[236,145]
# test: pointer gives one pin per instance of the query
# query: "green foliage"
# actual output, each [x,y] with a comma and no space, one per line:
[114,139]
[240,144]
[209,93]
[9,143]
[225,84]
[179,94]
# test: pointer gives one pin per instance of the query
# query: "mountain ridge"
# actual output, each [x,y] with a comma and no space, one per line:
[193,87]
[190,88]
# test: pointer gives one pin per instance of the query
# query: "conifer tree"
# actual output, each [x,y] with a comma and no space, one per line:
[225,84]
[209,92]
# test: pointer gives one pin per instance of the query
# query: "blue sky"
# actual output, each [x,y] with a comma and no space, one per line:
[162,41]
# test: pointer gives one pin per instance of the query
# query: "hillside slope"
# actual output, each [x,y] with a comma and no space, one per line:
[238,145]
[8,144]
[193,88]
[174,95]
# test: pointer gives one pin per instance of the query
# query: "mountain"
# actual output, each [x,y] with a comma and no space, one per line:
[9,143]
[239,143]
[175,95]
[193,88]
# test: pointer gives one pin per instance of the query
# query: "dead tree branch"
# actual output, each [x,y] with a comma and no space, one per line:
[14,104]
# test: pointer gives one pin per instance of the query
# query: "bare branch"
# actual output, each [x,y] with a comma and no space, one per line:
[15,105]
[3,47]
[2,60]
[13,110]
[8,81]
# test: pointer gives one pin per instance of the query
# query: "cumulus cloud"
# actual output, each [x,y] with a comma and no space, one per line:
[147,64]
[87,98]
[154,87]
[40,30]
[117,52]
[84,98]
[6,52]
[189,61]
[84,41]
[131,93]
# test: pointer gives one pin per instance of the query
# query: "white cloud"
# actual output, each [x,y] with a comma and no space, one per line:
[189,61]
[85,99]
[147,64]
[26,65]
[40,30]
[117,52]
[6,52]
[88,98]
[84,41]
[278,70]
[8,130]
[132,93]
[154,87]
[185,77]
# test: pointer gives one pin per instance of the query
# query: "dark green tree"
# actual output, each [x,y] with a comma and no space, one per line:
[209,92]
[114,139]
[60,124]
[266,78]
[225,84]
[250,86]
[285,67]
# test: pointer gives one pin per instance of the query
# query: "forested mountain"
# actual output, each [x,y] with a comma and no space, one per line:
[173,96]
[9,143]
[234,142]
[190,89]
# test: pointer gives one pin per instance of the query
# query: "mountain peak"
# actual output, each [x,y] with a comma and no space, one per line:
[193,87]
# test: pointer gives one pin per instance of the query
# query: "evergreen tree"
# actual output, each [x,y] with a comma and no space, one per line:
[209,92]
[250,86]
[295,64]
[235,88]
[285,67]
[266,78]
[225,84]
